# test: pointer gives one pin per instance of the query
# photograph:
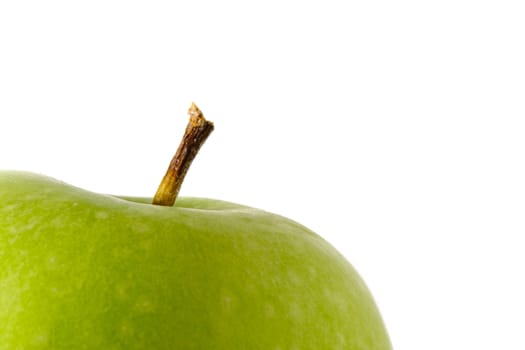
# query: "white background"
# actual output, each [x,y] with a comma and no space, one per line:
[394,129]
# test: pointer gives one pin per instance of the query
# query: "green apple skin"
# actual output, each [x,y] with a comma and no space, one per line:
[80,270]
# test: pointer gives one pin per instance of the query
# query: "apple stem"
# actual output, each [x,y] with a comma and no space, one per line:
[197,131]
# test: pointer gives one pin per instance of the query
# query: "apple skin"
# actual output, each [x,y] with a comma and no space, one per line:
[80,270]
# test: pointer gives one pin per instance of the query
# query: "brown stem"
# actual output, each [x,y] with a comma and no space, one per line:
[196,133]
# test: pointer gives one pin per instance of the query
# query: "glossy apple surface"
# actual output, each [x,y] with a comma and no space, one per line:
[80,270]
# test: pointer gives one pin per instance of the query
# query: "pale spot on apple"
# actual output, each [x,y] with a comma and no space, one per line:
[312,271]
[51,262]
[144,304]
[121,291]
[146,245]
[121,253]
[341,340]
[40,339]
[125,329]
[11,301]
[140,227]
[269,311]
[294,278]
[10,208]
[15,230]
[13,235]
[328,294]
[335,298]
[58,292]
[251,288]
[295,311]
[101,215]
[228,301]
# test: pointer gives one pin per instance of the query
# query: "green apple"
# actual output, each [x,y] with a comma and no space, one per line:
[80,270]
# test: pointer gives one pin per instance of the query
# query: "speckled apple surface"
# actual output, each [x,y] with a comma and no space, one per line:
[80,270]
